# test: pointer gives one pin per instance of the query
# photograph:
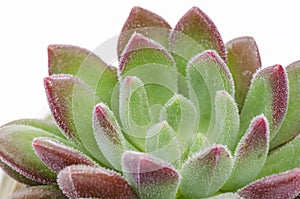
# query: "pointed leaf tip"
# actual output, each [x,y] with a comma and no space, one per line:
[57,156]
[250,154]
[268,95]
[90,182]
[204,173]
[150,177]
[280,186]
[147,23]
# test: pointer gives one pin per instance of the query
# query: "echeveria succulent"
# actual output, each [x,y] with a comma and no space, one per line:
[183,115]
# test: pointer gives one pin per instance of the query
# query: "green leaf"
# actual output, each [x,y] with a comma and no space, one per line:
[283,185]
[224,127]
[72,103]
[16,151]
[243,60]
[268,95]
[282,159]
[41,192]
[203,174]
[161,142]
[81,63]
[153,64]
[194,33]
[79,181]
[151,178]
[200,142]
[250,154]
[58,155]
[226,196]
[108,135]
[135,111]
[291,125]
[207,74]
[182,117]
[147,23]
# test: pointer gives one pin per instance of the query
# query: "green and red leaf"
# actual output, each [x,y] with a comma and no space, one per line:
[268,95]
[204,173]
[144,22]
[250,155]
[90,182]
[57,155]
[280,186]
[206,74]
[151,178]
[243,60]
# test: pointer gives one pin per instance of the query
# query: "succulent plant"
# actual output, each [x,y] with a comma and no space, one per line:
[182,116]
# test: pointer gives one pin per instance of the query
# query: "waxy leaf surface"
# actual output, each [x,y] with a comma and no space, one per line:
[41,192]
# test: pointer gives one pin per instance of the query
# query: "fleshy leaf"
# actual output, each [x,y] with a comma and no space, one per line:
[72,103]
[243,60]
[268,95]
[81,63]
[108,135]
[16,151]
[161,142]
[57,155]
[12,173]
[41,192]
[291,125]
[250,154]
[282,159]
[153,64]
[182,117]
[200,142]
[281,186]
[207,74]
[224,127]
[147,23]
[41,124]
[90,182]
[134,111]
[194,33]
[151,178]
[203,174]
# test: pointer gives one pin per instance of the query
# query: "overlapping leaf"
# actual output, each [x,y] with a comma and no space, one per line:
[243,60]
[268,95]
[154,65]
[72,104]
[147,23]
[81,63]
[290,126]
[90,182]
[281,186]
[193,34]
[151,178]
[250,154]
[108,135]
[205,173]
[41,192]
[207,74]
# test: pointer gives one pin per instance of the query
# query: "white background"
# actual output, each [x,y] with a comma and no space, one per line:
[28,27]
